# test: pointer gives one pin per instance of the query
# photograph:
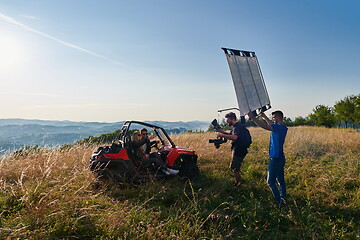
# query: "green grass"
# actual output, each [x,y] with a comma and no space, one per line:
[50,194]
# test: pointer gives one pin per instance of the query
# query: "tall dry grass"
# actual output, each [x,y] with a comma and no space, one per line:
[321,162]
[49,194]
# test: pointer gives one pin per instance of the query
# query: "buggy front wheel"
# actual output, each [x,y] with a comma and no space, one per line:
[189,170]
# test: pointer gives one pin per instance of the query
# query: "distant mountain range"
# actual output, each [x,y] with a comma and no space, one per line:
[16,133]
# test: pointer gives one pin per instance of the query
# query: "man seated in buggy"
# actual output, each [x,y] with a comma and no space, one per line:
[145,159]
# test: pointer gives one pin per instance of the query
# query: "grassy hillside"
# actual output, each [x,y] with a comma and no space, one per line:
[49,194]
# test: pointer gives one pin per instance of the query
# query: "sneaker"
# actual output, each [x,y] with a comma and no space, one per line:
[166,172]
[173,171]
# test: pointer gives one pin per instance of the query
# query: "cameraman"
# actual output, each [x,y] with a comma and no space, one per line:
[238,148]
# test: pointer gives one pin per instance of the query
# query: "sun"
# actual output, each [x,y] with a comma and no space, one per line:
[11,53]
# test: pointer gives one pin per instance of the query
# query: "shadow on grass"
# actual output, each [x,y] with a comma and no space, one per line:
[217,210]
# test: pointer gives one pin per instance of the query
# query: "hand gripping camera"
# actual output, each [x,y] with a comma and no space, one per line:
[219,140]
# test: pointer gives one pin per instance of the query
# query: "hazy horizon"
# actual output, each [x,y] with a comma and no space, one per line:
[54,120]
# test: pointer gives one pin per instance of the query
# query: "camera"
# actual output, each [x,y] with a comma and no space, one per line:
[217,141]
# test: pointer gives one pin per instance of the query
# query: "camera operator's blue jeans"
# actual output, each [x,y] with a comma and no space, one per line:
[276,173]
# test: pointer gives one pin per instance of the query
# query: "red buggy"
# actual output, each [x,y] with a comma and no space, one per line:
[117,161]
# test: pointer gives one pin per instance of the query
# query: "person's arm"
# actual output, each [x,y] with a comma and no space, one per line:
[226,135]
[263,115]
[139,143]
[260,123]
[222,131]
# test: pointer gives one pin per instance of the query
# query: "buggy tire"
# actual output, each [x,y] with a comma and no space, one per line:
[189,170]
[124,172]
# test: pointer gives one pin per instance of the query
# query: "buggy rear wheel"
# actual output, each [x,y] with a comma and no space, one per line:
[121,171]
[124,172]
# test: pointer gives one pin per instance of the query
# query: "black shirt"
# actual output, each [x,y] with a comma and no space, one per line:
[236,145]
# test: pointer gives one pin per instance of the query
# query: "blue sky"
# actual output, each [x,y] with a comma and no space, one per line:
[92,60]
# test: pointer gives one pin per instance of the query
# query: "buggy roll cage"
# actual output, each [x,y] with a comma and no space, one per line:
[159,131]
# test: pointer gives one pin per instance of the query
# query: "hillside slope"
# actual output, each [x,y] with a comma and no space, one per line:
[49,194]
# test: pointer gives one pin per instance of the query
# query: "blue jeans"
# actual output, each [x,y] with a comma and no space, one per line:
[276,173]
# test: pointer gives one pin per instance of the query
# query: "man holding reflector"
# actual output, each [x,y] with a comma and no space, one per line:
[276,153]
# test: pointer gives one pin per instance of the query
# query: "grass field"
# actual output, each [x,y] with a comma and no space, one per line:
[49,195]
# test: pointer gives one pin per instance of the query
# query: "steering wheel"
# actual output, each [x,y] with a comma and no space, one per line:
[161,146]
[155,145]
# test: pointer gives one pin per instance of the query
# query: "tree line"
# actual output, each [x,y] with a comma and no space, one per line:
[345,113]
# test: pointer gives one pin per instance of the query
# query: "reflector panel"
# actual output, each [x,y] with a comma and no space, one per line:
[248,81]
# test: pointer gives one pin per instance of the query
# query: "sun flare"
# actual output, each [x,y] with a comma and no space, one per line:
[11,53]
